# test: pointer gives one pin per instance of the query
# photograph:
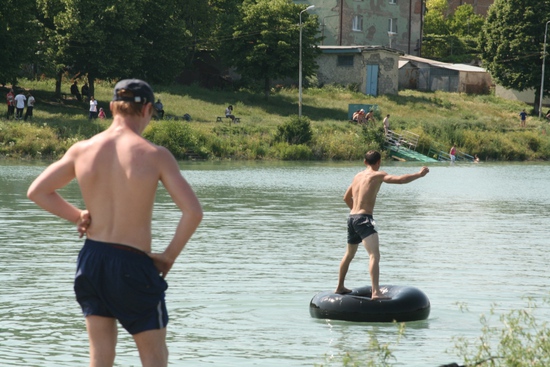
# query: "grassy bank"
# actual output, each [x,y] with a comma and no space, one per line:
[484,125]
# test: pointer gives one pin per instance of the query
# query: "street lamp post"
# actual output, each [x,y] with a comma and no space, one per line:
[300,66]
[543,64]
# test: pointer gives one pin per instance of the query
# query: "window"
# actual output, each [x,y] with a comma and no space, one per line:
[392,25]
[357,24]
[345,60]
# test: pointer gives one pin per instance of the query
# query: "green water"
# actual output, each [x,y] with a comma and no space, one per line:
[272,237]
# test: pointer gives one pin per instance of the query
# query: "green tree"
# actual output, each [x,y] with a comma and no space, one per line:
[265,41]
[464,22]
[435,19]
[19,33]
[511,43]
[451,37]
[171,32]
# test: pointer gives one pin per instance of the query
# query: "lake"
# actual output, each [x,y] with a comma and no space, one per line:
[470,236]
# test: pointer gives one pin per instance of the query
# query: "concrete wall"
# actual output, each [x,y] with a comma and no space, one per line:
[527,96]
[336,20]
[330,72]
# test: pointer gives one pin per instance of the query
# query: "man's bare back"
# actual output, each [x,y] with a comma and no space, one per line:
[118,172]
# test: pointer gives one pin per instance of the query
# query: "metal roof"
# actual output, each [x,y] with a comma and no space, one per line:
[440,64]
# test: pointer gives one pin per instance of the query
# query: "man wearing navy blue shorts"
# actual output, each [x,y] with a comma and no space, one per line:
[118,278]
[360,197]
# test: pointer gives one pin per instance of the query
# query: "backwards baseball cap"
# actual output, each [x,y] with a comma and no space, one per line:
[133,90]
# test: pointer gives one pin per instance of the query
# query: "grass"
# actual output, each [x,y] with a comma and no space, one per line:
[478,124]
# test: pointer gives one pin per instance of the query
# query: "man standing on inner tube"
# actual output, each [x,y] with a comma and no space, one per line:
[360,197]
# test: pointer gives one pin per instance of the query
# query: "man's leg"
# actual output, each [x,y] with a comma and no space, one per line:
[344,266]
[372,247]
[102,332]
[152,348]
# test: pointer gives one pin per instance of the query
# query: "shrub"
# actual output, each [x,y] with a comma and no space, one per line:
[521,340]
[175,136]
[288,152]
[295,131]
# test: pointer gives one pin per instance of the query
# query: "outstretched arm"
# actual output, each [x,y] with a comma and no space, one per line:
[403,179]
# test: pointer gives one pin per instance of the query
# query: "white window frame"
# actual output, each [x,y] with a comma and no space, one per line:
[357,23]
[392,25]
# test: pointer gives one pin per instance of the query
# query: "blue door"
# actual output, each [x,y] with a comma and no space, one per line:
[372,80]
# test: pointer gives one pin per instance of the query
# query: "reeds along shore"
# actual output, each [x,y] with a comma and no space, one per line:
[477,124]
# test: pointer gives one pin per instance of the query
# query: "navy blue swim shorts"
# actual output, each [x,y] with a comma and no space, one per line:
[121,282]
[360,226]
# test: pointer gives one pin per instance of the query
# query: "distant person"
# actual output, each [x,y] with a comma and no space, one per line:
[361,117]
[355,116]
[10,100]
[452,154]
[93,108]
[160,109]
[102,114]
[30,106]
[386,123]
[118,277]
[360,197]
[476,158]
[20,100]
[229,112]
[370,116]
[85,90]
[523,118]
[75,92]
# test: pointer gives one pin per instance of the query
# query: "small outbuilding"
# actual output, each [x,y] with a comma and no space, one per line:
[373,69]
[430,75]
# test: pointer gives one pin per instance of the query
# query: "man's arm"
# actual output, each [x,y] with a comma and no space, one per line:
[403,179]
[43,189]
[186,200]
[348,198]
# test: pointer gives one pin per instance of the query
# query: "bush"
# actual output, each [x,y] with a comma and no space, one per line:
[28,140]
[175,136]
[521,340]
[288,152]
[295,131]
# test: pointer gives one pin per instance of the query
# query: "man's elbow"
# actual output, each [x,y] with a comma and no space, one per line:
[32,194]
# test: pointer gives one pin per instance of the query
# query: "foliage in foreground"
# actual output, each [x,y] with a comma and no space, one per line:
[519,341]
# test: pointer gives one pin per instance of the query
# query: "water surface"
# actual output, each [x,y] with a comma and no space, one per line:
[468,235]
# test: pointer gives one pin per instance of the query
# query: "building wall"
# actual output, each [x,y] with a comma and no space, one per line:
[527,96]
[336,18]
[387,79]
[480,6]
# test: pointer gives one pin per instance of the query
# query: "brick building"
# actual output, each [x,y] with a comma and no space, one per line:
[480,6]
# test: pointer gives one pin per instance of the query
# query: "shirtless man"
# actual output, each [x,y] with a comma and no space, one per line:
[360,197]
[118,278]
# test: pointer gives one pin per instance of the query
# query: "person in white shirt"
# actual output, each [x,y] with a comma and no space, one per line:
[19,105]
[30,106]
[93,108]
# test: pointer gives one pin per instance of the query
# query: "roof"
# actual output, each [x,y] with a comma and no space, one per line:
[445,65]
[355,49]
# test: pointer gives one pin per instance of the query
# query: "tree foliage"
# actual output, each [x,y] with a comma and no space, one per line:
[512,42]
[154,40]
[19,33]
[451,36]
[265,41]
